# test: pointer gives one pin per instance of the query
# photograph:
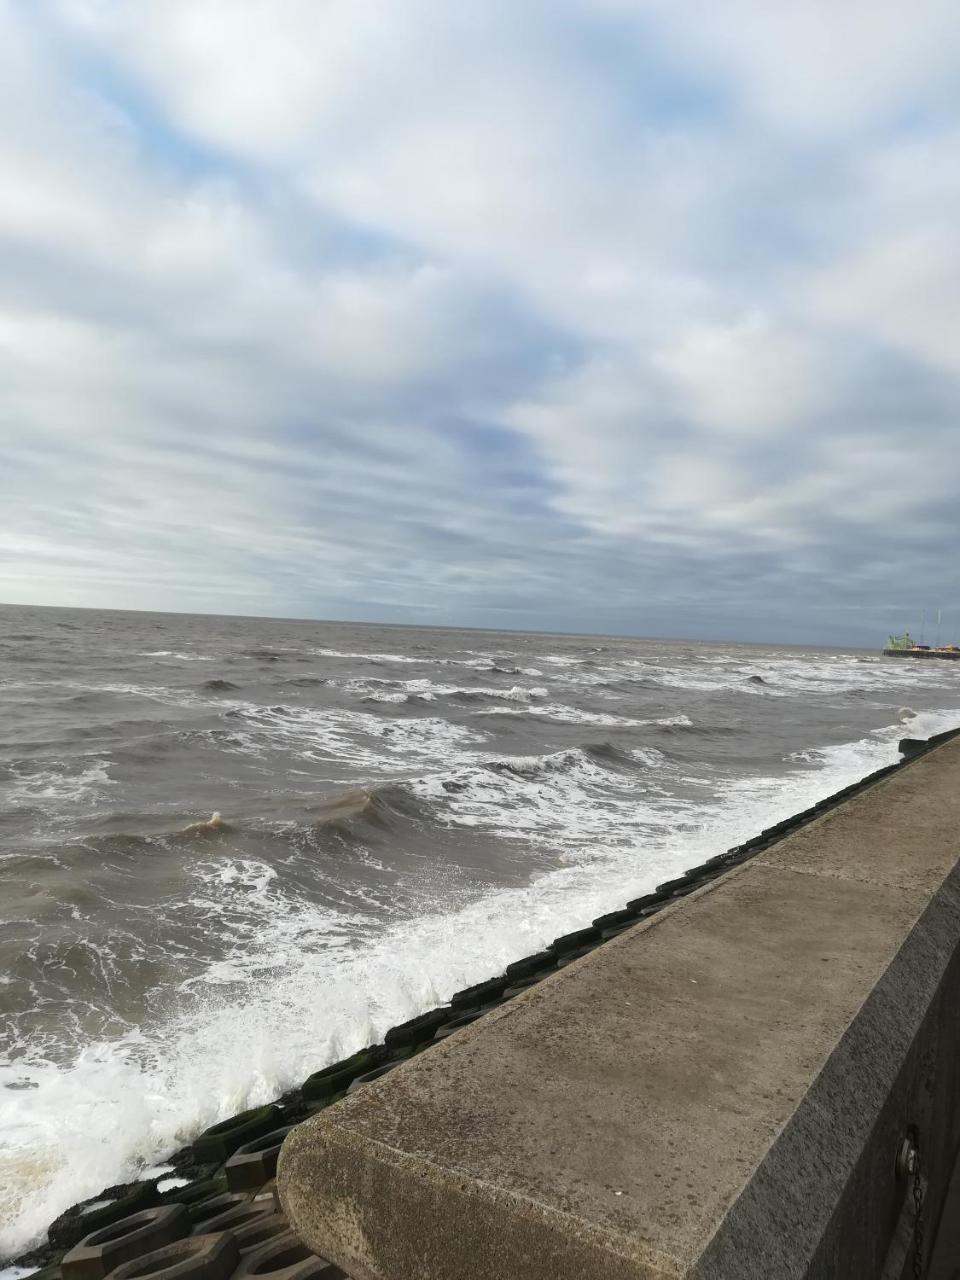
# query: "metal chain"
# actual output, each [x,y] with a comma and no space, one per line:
[917,1218]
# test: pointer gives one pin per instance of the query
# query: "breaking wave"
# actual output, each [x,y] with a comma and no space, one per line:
[207,893]
[575,715]
[55,782]
[298,992]
[426,690]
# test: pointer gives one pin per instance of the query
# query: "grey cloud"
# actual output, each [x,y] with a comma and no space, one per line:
[435,320]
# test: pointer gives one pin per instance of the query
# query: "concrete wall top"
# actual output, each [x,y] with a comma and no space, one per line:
[718,1092]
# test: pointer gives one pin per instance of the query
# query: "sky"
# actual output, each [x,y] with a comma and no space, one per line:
[634,316]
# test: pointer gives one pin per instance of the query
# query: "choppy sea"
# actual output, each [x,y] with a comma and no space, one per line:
[233,850]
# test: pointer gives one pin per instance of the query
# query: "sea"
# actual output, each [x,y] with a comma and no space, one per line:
[234,850]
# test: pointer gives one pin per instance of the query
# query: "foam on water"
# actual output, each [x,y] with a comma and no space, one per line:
[479,661]
[810,675]
[426,690]
[56,782]
[376,658]
[245,873]
[180,657]
[359,738]
[558,801]
[151,693]
[309,991]
[575,715]
[168,1184]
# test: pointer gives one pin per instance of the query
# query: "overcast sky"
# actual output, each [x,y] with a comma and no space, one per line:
[626,315]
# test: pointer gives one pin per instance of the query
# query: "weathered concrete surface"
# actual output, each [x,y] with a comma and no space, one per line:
[945,1262]
[719,1092]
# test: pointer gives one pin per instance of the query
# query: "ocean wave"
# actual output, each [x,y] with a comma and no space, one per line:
[518,693]
[180,657]
[365,814]
[251,877]
[55,782]
[427,690]
[559,800]
[302,990]
[150,693]
[571,759]
[79,692]
[358,738]
[495,664]
[213,825]
[576,715]
[376,658]
[811,675]
[778,676]
[499,666]
[263,655]
[384,690]
[128,837]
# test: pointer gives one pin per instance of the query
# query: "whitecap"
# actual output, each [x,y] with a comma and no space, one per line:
[124,1105]
[57,782]
[575,715]
[376,658]
[360,738]
[180,657]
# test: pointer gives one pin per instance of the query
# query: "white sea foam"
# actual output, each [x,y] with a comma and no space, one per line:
[168,1184]
[426,690]
[155,693]
[152,693]
[124,1105]
[56,782]
[180,657]
[359,738]
[394,690]
[248,874]
[557,802]
[811,674]
[376,658]
[574,715]
[478,662]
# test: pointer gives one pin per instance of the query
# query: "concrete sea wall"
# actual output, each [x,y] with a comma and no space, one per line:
[760,1080]
[710,1081]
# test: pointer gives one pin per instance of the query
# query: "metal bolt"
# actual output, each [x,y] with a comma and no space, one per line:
[906,1160]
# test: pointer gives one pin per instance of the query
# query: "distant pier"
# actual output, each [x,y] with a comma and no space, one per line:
[917,652]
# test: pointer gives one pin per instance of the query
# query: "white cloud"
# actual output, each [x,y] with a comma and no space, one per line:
[900,289]
[814,68]
[749,376]
[475,306]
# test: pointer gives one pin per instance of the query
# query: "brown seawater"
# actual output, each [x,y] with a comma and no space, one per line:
[232,850]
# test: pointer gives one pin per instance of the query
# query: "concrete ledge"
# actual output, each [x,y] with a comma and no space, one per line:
[718,1092]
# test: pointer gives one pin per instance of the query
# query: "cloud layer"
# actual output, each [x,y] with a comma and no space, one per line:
[585,314]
